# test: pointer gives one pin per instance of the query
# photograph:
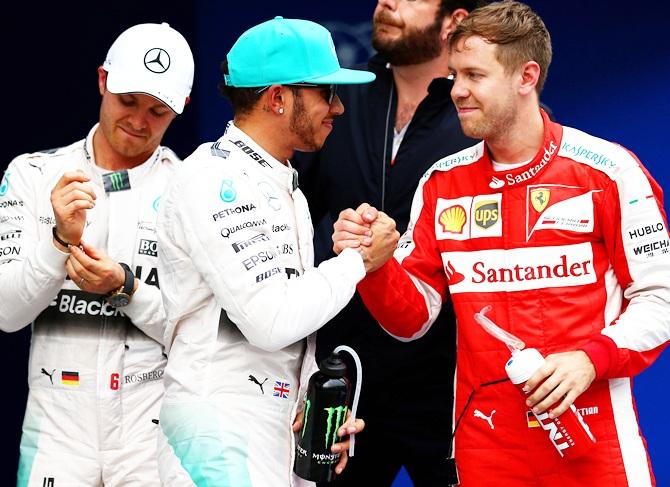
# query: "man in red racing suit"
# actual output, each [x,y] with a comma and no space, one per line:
[571,250]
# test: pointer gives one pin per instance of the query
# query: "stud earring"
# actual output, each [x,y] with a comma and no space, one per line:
[281,110]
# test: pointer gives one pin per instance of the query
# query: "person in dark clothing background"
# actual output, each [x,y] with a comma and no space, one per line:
[392,131]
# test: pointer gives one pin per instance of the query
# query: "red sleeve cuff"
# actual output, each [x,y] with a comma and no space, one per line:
[603,353]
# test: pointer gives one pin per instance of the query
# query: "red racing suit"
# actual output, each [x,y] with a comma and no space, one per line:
[572,252]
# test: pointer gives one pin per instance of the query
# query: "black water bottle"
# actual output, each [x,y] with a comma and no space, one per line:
[324,412]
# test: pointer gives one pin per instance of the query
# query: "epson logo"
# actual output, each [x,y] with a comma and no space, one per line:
[5,251]
[148,247]
[259,258]
[243,244]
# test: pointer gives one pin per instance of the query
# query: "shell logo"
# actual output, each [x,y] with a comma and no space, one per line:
[453,219]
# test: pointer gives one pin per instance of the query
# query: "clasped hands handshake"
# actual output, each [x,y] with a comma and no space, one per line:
[369,231]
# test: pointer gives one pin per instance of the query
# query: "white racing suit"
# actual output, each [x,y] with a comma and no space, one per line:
[241,296]
[95,373]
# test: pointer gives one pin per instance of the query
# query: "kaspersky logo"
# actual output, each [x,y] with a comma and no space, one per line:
[334,418]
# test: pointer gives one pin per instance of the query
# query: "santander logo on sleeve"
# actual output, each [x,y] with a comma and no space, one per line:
[519,269]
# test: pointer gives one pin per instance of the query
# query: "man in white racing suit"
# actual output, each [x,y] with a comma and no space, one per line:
[241,293]
[78,254]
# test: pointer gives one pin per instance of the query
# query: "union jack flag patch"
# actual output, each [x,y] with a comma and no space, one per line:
[281,389]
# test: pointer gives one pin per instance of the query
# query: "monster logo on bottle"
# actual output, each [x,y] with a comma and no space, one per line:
[325,411]
[334,419]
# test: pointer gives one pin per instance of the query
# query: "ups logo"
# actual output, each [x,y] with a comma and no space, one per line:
[487,213]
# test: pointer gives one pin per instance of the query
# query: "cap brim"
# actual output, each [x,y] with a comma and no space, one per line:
[344,76]
[123,86]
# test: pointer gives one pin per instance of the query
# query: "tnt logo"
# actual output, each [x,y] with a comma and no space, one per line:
[148,247]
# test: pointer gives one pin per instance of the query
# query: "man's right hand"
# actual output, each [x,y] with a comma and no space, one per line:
[70,199]
[371,232]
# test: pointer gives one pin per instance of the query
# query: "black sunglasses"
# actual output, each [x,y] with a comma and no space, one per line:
[329,96]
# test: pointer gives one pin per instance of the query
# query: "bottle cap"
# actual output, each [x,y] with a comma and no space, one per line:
[333,366]
[523,364]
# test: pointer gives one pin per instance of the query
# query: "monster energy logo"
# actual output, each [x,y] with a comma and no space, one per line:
[334,420]
[116,181]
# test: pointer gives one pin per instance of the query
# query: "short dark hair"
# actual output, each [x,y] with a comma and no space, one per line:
[242,100]
[518,33]
[448,6]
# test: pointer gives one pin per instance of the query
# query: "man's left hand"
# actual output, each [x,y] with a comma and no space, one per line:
[93,270]
[343,446]
[566,375]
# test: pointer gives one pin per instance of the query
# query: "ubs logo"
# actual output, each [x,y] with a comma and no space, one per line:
[157,60]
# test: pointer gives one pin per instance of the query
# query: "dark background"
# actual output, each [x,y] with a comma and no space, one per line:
[609,77]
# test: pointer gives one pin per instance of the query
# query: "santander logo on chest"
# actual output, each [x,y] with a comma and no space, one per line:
[519,269]
[511,178]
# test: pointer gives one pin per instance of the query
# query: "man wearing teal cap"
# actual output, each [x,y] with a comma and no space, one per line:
[242,296]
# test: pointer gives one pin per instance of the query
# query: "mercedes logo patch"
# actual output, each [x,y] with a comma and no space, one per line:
[157,60]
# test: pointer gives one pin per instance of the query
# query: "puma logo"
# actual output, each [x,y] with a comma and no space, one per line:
[255,381]
[50,375]
[488,419]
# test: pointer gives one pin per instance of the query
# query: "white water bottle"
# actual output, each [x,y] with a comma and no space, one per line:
[569,434]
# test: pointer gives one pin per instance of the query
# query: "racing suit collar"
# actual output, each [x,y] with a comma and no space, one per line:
[285,175]
[553,134]
[135,174]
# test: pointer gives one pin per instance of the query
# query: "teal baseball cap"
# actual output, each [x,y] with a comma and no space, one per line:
[284,51]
